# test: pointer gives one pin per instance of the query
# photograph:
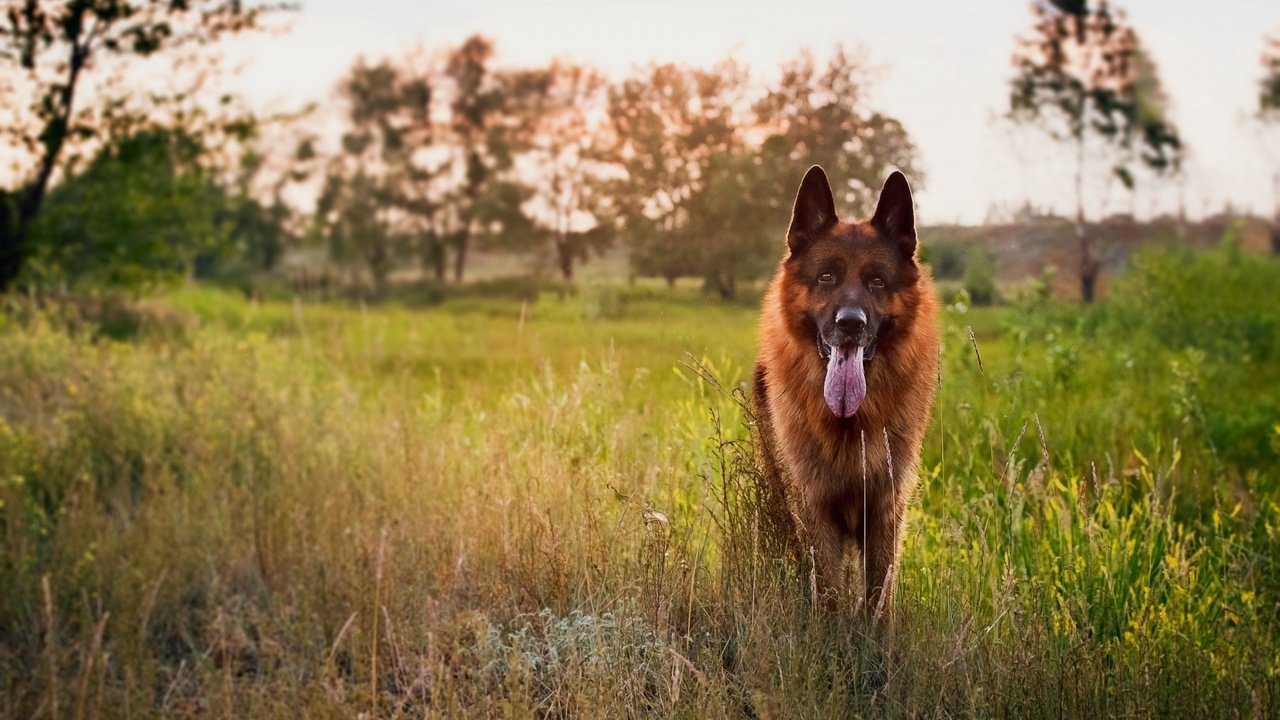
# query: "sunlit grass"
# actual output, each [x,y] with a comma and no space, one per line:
[496,508]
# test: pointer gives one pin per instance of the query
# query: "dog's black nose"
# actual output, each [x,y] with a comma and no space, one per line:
[851,320]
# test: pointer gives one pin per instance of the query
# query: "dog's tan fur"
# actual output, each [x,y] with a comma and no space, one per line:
[848,479]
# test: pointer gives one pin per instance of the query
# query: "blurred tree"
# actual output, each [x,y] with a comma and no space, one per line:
[354,212]
[560,143]
[670,124]
[1269,113]
[980,275]
[262,229]
[259,220]
[141,212]
[711,175]
[259,228]
[817,115]
[479,125]
[730,219]
[376,204]
[1269,96]
[1083,77]
[54,45]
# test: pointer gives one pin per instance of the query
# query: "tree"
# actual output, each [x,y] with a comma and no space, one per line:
[1269,95]
[711,172]
[54,45]
[980,275]
[353,210]
[670,123]
[141,212]
[1083,77]
[258,217]
[817,115]
[376,204]
[731,219]
[479,127]
[1269,111]
[560,141]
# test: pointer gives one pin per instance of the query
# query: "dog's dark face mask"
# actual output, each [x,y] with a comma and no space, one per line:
[850,275]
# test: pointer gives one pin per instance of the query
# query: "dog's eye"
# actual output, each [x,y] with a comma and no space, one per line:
[826,278]
[876,284]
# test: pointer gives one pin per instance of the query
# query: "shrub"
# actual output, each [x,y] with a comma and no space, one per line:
[980,275]
[945,259]
[1218,302]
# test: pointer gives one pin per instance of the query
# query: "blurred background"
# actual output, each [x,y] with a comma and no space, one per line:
[389,358]
[397,149]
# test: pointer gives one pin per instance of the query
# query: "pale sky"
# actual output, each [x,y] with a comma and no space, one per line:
[945,67]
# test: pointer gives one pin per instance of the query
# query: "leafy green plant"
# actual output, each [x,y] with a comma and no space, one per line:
[980,276]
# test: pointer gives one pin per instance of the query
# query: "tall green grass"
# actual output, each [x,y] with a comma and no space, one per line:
[497,508]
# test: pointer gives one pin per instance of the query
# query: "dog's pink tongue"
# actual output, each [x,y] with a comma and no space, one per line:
[846,383]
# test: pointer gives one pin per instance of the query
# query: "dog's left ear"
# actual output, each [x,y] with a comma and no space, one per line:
[895,216]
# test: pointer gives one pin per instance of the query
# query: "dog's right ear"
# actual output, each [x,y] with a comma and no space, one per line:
[814,213]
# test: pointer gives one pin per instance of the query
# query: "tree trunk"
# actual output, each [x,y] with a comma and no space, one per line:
[17,217]
[565,255]
[1088,281]
[10,242]
[379,267]
[1089,265]
[1275,219]
[725,286]
[476,174]
[460,254]
[434,258]
[438,264]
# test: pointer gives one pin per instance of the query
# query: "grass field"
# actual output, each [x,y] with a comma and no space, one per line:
[496,508]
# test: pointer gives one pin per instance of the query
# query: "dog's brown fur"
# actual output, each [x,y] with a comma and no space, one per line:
[848,479]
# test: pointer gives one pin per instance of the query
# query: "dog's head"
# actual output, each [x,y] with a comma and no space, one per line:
[851,281]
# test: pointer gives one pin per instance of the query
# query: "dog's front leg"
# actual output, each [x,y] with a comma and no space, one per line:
[880,552]
[824,547]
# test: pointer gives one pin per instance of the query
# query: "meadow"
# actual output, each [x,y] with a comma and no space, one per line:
[212,507]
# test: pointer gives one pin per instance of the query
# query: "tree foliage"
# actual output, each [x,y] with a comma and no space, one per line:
[354,210]
[375,207]
[562,141]
[1083,77]
[1269,113]
[53,45]
[1269,90]
[671,123]
[140,213]
[816,114]
[479,126]
[712,167]
[440,154]
[261,221]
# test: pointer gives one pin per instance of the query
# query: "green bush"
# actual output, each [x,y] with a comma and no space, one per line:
[139,215]
[1216,312]
[1219,302]
[946,260]
[980,275]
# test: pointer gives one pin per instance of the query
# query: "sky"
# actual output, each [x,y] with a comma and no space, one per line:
[943,70]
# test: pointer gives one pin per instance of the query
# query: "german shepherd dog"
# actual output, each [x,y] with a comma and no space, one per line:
[845,380]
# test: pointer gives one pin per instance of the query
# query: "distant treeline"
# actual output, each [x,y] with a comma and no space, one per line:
[692,169]
[426,158]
